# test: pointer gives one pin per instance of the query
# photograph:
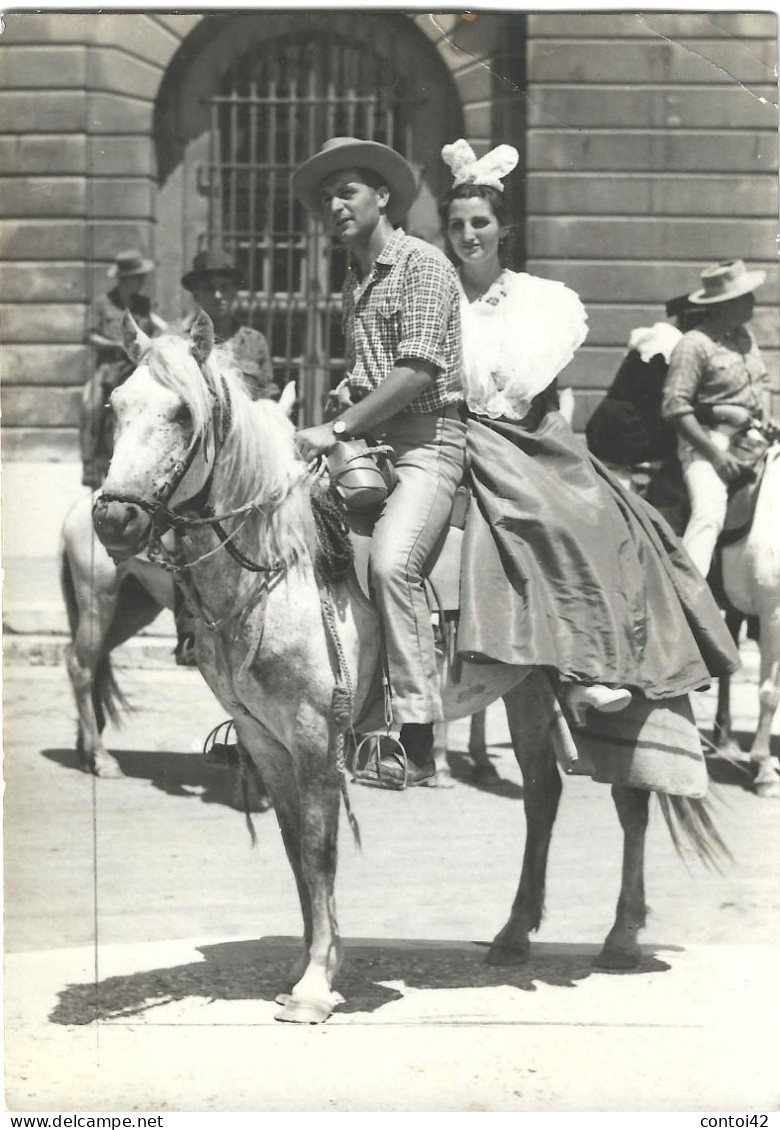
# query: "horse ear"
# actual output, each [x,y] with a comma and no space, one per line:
[135,340]
[201,337]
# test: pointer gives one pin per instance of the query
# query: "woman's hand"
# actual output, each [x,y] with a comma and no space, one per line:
[727,466]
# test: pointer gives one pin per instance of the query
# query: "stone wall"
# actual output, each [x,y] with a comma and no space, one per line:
[651,151]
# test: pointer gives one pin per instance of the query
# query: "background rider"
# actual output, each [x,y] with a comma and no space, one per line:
[717,383]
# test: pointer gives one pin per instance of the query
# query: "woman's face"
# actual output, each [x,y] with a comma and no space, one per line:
[473,230]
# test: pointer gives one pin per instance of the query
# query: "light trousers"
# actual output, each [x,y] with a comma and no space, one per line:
[708,496]
[429,452]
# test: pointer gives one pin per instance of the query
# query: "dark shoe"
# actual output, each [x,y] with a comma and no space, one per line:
[398,764]
[185,651]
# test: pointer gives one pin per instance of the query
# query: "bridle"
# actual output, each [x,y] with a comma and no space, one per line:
[199,510]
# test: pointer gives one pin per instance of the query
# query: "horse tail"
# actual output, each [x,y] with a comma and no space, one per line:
[110,701]
[691,824]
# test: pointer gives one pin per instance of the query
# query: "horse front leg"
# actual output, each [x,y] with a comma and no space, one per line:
[276,767]
[319,791]
[528,715]
[621,948]
[767,782]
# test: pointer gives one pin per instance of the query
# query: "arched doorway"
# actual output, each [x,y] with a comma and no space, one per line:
[241,112]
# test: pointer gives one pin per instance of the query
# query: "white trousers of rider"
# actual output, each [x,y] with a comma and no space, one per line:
[708,495]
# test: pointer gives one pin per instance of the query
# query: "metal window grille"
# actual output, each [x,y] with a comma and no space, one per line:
[275,107]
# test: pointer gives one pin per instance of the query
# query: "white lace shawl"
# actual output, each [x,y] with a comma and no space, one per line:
[516,339]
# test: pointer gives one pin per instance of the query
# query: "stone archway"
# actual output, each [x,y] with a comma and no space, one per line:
[239,109]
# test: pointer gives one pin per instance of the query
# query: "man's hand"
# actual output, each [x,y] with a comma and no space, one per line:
[312,442]
[728,466]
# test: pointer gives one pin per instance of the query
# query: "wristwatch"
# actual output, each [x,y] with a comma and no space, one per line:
[339,429]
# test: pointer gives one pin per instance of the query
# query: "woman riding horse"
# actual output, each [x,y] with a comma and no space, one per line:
[593,585]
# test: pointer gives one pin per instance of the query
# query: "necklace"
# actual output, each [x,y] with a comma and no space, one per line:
[491,295]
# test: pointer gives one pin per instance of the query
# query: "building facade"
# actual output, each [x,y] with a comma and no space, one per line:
[648,149]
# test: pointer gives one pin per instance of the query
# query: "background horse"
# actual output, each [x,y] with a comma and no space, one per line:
[751,583]
[106,605]
[292,658]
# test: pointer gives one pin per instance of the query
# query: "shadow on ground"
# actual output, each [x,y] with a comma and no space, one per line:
[184,775]
[257,970]
[463,770]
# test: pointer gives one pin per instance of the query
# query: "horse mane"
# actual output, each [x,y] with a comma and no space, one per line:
[256,461]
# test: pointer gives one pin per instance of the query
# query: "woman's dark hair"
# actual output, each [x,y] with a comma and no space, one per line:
[498,205]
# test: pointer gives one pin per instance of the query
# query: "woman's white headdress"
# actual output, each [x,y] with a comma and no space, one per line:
[488,170]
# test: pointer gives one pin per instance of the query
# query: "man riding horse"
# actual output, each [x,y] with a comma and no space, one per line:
[402,323]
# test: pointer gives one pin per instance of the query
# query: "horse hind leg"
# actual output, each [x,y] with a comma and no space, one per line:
[767,781]
[485,772]
[725,742]
[528,714]
[621,948]
[91,606]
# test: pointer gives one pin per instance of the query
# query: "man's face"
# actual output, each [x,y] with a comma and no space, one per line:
[215,293]
[351,208]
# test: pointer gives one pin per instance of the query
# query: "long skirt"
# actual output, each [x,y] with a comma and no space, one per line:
[563,568]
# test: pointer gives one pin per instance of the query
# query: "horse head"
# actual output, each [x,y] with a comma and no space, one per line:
[164,413]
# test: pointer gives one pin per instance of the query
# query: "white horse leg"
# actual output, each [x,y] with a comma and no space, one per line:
[767,782]
[319,794]
[621,948]
[528,716]
[444,778]
[88,666]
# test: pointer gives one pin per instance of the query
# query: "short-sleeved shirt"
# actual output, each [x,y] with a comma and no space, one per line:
[249,350]
[406,308]
[711,366]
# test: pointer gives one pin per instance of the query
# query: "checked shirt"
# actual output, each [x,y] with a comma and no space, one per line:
[406,308]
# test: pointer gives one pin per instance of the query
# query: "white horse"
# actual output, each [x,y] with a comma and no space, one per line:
[751,581]
[107,603]
[285,652]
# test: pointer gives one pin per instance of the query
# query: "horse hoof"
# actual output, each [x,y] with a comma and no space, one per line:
[444,779]
[507,955]
[285,998]
[769,790]
[299,1011]
[617,959]
[107,770]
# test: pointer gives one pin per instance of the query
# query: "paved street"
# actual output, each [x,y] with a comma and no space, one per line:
[173,1007]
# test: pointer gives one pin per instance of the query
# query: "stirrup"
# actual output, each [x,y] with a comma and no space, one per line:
[369,771]
[219,750]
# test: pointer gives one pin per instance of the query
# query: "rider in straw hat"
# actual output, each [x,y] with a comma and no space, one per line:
[214,282]
[717,382]
[403,343]
[129,273]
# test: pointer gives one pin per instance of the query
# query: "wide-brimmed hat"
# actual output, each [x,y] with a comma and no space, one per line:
[215,262]
[128,264]
[353,153]
[725,281]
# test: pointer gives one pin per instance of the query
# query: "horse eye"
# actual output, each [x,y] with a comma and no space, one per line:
[182,415]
